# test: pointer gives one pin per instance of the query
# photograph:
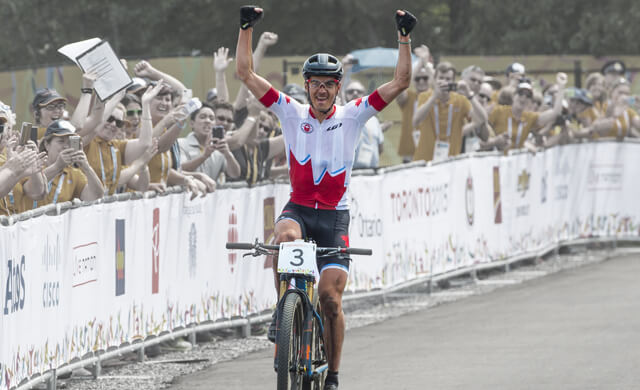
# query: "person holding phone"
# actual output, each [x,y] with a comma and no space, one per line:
[441,115]
[65,181]
[205,149]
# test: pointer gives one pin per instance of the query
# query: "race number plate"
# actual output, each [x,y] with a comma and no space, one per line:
[297,257]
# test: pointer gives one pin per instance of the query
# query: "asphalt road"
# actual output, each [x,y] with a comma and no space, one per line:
[576,329]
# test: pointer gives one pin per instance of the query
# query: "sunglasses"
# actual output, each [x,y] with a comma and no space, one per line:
[484,97]
[134,112]
[421,78]
[526,93]
[355,91]
[119,122]
[53,107]
[330,84]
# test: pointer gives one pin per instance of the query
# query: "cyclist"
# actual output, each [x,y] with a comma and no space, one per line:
[320,141]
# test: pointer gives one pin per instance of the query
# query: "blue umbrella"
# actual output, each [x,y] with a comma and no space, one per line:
[377,57]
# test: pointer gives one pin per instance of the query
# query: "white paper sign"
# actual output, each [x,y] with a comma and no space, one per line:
[297,257]
[74,50]
[100,59]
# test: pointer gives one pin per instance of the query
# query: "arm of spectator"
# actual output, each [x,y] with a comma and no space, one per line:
[111,104]
[220,64]
[423,110]
[551,114]
[64,159]
[176,178]
[279,170]
[245,67]
[249,128]
[93,190]
[140,181]
[90,126]
[136,147]
[179,120]
[192,165]
[138,164]
[233,168]
[144,69]
[81,113]
[209,183]
[402,76]
[424,56]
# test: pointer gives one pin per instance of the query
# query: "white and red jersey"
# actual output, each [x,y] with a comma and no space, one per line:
[320,155]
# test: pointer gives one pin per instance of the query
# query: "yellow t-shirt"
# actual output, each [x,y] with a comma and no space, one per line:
[66,186]
[406,146]
[500,118]
[101,155]
[159,166]
[459,107]
[6,206]
[622,124]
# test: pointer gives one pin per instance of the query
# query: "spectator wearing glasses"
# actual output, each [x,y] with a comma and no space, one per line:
[512,124]
[370,144]
[594,84]
[109,156]
[202,152]
[68,173]
[48,106]
[408,102]
[133,113]
[626,120]
[473,133]
[472,76]
[613,70]
[442,114]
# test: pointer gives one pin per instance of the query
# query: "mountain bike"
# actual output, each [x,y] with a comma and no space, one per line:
[300,359]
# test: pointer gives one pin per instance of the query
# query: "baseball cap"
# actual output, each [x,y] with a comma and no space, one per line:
[614,66]
[516,67]
[296,92]
[525,85]
[495,83]
[137,84]
[45,96]
[212,94]
[60,128]
[579,94]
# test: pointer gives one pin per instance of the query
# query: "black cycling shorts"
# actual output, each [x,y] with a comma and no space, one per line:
[327,228]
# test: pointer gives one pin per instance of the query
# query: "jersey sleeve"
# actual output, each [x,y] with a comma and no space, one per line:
[365,107]
[281,104]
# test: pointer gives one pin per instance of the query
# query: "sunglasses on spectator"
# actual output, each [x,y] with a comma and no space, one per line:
[119,122]
[421,78]
[53,107]
[355,91]
[526,93]
[330,84]
[484,97]
[134,112]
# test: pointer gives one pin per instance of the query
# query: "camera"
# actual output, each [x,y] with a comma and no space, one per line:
[74,142]
[217,132]
[453,87]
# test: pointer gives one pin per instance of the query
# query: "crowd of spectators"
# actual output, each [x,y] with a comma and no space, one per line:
[138,140]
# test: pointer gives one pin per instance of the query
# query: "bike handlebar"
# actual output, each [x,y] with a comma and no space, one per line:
[320,250]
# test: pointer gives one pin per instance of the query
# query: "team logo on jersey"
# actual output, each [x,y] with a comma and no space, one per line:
[306,127]
[335,126]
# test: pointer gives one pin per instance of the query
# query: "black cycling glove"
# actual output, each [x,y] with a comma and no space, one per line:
[405,23]
[249,17]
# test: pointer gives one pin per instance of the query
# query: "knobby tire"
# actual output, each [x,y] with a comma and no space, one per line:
[289,344]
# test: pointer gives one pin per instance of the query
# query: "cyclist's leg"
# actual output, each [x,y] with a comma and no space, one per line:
[331,286]
[332,230]
[290,226]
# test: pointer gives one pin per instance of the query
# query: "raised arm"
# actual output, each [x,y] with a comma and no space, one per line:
[249,16]
[402,76]
[220,64]
[136,147]
[81,113]
[144,69]
[266,39]
[551,114]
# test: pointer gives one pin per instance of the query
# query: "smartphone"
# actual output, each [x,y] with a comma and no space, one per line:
[217,132]
[34,134]
[25,133]
[74,142]
[453,87]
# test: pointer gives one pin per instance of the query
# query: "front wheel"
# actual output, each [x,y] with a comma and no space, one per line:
[289,344]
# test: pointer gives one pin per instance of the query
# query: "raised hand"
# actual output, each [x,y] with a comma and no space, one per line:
[405,22]
[250,15]
[88,79]
[79,159]
[151,92]
[221,60]
[144,69]
[561,79]
[423,53]
[268,39]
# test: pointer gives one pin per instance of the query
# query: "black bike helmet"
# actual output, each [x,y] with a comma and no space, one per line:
[322,64]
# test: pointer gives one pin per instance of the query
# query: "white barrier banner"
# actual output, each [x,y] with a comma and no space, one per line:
[101,276]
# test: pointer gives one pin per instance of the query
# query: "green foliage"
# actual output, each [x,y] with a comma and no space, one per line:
[33,30]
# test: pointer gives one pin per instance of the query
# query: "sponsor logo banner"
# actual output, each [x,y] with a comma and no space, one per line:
[120,259]
[85,264]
